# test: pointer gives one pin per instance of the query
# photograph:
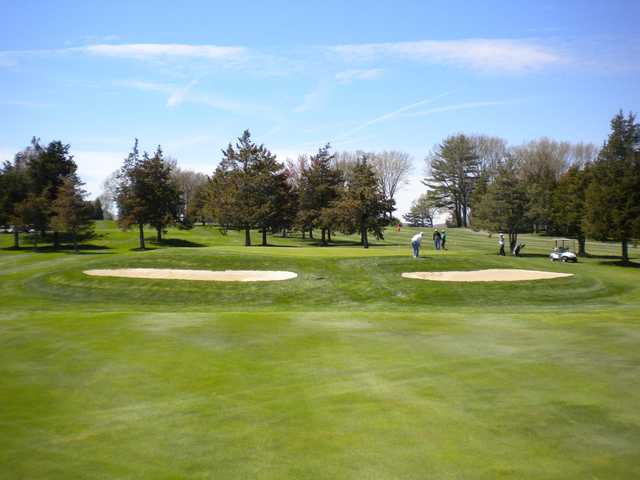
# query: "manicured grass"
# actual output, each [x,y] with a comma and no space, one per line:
[348,371]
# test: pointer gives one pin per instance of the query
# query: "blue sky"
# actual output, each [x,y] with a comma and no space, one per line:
[361,75]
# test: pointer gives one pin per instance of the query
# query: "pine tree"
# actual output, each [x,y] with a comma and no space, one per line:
[613,195]
[13,191]
[319,186]
[71,213]
[146,193]
[247,187]
[46,168]
[504,206]
[361,207]
[568,205]
[422,211]
[163,197]
[454,168]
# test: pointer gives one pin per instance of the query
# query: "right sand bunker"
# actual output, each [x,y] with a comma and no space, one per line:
[489,275]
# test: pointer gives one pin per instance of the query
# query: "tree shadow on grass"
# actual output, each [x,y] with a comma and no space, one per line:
[620,263]
[177,242]
[85,248]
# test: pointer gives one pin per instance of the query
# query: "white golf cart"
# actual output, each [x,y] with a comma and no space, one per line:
[562,252]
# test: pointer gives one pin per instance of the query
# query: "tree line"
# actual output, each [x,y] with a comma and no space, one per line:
[250,189]
[41,192]
[575,190]
[558,188]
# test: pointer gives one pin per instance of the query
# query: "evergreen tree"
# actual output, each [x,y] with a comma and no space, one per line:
[361,207]
[454,169]
[146,193]
[422,211]
[97,213]
[46,169]
[130,194]
[613,196]
[504,206]
[568,205]
[71,213]
[13,191]
[163,197]
[247,187]
[319,186]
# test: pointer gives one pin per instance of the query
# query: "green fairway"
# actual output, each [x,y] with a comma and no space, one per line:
[348,371]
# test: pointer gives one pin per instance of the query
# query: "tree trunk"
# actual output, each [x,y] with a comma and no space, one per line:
[141,235]
[324,236]
[56,240]
[625,250]
[329,235]
[304,234]
[311,233]
[513,241]
[75,242]
[158,234]
[247,237]
[464,214]
[264,237]
[457,214]
[582,248]
[363,237]
[16,238]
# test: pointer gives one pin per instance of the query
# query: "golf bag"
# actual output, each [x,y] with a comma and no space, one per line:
[518,248]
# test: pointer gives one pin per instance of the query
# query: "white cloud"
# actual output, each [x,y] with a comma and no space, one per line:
[390,115]
[478,54]
[459,106]
[146,51]
[177,95]
[349,76]
[314,99]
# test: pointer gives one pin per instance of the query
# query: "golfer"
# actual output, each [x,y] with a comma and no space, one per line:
[443,239]
[415,244]
[436,239]
[501,244]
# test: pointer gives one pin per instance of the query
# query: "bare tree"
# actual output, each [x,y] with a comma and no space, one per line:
[188,182]
[295,169]
[583,153]
[392,169]
[108,196]
[491,152]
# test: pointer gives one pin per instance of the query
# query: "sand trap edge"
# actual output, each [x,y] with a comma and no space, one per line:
[488,275]
[196,275]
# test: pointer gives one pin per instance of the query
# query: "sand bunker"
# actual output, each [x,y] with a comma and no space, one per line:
[201,275]
[490,275]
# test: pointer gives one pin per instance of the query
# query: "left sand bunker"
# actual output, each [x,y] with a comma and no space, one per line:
[199,275]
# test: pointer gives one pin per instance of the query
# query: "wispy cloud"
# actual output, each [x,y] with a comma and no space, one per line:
[349,76]
[147,51]
[177,94]
[478,54]
[459,106]
[314,99]
[389,115]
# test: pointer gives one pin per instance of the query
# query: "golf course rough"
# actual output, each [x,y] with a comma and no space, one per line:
[487,275]
[198,275]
